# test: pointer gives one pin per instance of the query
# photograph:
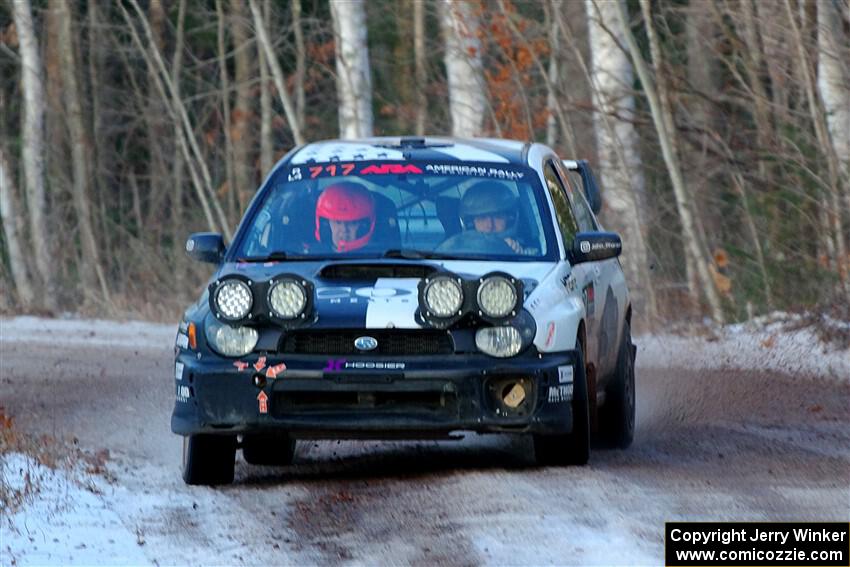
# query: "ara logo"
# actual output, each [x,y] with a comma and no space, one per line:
[387,168]
[584,246]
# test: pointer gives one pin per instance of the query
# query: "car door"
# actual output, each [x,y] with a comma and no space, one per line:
[609,283]
[583,274]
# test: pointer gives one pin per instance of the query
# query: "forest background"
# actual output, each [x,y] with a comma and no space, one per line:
[720,132]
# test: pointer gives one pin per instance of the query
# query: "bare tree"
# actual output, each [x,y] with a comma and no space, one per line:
[80,162]
[663,119]
[464,68]
[244,136]
[420,68]
[353,77]
[266,141]
[300,61]
[12,232]
[277,73]
[32,149]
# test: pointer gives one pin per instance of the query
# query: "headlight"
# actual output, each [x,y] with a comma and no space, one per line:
[501,342]
[233,299]
[443,297]
[287,299]
[230,341]
[497,297]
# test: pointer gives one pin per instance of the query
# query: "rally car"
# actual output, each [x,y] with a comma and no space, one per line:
[408,288]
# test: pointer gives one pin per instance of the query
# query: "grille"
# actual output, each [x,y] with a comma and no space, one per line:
[390,342]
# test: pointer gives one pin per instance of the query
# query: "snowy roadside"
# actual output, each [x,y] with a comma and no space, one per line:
[771,344]
[90,332]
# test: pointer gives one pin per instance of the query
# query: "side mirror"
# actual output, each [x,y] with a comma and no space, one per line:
[206,247]
[591,189]
[595,246]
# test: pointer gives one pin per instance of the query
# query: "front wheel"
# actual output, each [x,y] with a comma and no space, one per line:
[572,448]
[209,459]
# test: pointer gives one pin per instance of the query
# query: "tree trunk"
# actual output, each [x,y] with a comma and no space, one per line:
[225,110]
[464,69]
[177,229]
[834,86]
[420,72]
[13,234]
[663,119]
[620,165]
[554,76]
[277,73]
[266,135]
[32,132]
[353,81]
[244,136]
[300,61]
[92,270]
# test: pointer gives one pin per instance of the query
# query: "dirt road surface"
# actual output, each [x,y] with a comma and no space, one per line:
[711,445]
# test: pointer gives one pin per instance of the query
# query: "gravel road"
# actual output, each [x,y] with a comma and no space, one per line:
[710,445]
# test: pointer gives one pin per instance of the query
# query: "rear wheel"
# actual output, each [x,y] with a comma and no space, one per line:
[571,448]
[268,449]
[208,459]
[617,416]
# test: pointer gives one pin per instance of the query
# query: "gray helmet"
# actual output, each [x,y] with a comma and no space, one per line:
[487,198]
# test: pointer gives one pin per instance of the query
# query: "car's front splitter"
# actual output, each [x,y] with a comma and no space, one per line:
[377,397]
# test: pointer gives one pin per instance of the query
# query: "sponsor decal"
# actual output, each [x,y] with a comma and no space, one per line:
[550,334]
[390,168]
[260,364]
[263,402]
[183,393]
[584,246]
[182,340]
[190,245]
[565,374]
[273,371]
[178,371]
[294,174]
[558,394]
[474,171]
[569,283]
[339,364]
[240,365]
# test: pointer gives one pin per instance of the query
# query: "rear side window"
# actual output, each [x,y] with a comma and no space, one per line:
[566,221]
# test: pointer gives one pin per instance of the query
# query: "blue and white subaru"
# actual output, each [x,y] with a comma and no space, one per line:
[408,287]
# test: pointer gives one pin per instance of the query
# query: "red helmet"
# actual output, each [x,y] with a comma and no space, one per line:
[346,202]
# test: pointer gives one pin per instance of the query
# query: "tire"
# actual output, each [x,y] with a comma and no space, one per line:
[617,416]
[571,448]
[208,459]
[269,450]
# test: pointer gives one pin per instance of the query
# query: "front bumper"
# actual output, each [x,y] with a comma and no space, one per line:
[373,397]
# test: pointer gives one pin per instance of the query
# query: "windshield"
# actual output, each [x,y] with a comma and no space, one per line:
[400,210]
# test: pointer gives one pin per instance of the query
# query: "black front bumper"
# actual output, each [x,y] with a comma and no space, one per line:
[373,397]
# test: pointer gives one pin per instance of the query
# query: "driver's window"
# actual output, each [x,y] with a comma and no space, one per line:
[566,221]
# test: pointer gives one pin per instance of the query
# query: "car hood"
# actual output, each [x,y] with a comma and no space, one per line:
[377,301]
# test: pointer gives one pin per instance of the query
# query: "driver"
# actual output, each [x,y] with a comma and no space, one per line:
[345,216]
[491,208]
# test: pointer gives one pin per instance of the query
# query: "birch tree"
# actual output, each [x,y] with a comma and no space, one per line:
[464,68]
[353,78]
[617,142]
[32,133]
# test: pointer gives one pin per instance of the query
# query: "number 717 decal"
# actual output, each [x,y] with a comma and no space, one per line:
[332,169]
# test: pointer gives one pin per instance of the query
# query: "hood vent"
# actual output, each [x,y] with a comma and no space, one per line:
[364,272]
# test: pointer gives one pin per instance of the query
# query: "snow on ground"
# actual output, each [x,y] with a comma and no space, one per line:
[763,344]
[64,520]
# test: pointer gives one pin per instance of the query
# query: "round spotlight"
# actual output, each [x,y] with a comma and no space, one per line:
[287,299]
[497,297]
[443,297]
[233,299]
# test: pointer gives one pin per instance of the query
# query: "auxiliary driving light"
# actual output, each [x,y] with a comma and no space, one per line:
[287,299]
[497,297]
[443,297]
[233,299]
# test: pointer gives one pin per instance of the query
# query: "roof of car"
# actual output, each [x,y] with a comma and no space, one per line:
[414,147]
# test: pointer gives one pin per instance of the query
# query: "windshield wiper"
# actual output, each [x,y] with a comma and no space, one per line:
[411,254]
[276,256]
